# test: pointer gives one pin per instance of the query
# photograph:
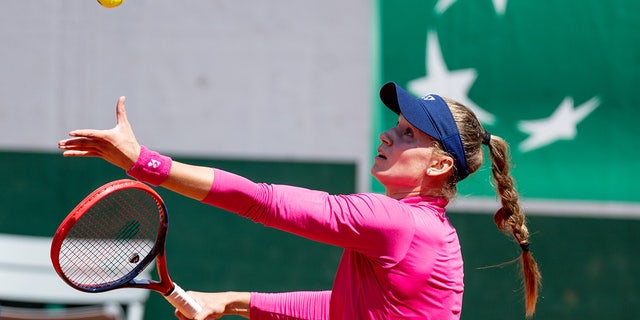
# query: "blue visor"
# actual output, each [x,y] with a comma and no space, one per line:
[431,115]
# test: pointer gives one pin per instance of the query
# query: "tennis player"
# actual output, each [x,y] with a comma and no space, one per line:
[401,257]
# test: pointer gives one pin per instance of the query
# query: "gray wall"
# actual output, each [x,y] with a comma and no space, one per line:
[283,79]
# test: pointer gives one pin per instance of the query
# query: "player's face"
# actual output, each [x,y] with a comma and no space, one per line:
[404,156]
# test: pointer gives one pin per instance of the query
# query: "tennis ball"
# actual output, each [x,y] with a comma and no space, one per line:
[110,3]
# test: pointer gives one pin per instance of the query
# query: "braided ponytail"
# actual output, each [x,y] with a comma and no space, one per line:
[509,218]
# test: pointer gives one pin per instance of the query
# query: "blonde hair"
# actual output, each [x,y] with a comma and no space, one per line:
[510,218]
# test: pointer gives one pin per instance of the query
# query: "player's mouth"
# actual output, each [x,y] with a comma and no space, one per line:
[381,155]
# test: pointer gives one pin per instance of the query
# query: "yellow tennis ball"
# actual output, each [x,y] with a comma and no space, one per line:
[110,3]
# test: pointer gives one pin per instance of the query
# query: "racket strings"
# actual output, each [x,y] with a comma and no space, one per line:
[112,239]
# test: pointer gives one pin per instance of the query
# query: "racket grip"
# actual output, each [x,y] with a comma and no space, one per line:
[183,302]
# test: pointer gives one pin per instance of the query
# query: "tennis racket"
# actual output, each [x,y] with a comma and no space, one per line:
[111,236]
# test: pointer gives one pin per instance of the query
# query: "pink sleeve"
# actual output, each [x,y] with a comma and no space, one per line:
[290,305]
[231,192]
[373,224]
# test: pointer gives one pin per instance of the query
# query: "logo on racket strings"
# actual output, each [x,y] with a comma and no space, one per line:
[129,231]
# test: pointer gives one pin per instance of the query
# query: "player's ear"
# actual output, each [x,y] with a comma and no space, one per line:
[440,166]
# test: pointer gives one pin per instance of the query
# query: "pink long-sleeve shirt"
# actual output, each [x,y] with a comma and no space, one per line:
[401,258]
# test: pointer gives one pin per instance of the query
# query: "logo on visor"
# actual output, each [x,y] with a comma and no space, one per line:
[428,97]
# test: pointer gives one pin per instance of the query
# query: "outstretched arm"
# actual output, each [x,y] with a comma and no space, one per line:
[120,147]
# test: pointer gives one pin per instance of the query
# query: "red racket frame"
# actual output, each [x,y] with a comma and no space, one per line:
[165,286]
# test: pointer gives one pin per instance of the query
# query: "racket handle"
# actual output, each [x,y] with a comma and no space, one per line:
[183,302]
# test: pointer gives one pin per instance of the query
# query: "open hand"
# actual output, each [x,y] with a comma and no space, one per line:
[117,145]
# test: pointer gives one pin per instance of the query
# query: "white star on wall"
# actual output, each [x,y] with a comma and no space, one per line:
[442,5]
[562,124]
[452,84]
[500,6]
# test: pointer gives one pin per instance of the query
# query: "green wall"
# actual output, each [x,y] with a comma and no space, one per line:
[569,69]
[588,266]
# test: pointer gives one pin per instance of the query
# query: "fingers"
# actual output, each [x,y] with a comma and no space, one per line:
[80,154]
[213,306]
[78,143]
[199,316]
[80,147]
[121,113]
[180,315]
[117,145]
[90,133]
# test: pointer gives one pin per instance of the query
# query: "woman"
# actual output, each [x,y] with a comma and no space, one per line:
[401,257]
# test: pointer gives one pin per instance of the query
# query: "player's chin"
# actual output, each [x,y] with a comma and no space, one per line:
[376,171]
[379,165]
